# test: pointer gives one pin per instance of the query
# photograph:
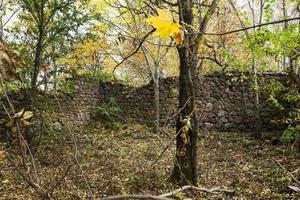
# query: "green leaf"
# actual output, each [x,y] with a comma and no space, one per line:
[27,115]
[10,123]
[19,114]
[14,129]
[26,123]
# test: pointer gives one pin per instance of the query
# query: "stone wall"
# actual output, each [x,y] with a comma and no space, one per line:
[138,103]
[224,102]
[80,107]
[77,108]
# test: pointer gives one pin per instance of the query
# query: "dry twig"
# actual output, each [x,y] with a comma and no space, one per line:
[135,196]
[212,190]
[289,173]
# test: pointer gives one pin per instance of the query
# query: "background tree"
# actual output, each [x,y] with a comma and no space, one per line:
[42,24]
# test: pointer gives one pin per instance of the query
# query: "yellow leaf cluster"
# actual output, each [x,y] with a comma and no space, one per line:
[86,53]
[165,25]
[2,155]
[23,116]
[100,5]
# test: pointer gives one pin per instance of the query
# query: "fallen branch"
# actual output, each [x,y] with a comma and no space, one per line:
[28,179]
[167,196]
[135,196]
[212,190]
[295,189]
[289,173]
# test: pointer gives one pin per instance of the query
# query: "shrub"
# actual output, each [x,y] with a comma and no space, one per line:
[286,98]
[109,113]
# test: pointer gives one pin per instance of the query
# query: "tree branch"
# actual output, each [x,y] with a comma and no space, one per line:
[134,52]
[212,59]
[206,19]
[289,173]
[212,190]
[251,27]
[170,3]
[135,196]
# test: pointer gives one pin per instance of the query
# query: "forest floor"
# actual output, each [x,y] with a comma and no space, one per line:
[125,161]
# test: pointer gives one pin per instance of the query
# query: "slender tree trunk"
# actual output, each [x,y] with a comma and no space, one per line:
[290,59]
[186,166]
[37,64]
[156,91]
[29,132]
[156,105]
[38,56]
[257,126]
[261,10]
[284,12]
[1,26]
[155,78]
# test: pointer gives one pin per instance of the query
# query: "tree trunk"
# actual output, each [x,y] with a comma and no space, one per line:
[37,64]
[1,26]
[38,56]
[186,166]
[156,91]
[257,127]
[186,169]
[156,104]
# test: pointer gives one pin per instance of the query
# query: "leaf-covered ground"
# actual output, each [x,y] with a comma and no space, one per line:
[123,161]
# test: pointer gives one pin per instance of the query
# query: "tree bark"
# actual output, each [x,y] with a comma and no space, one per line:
[37,64]
[156,90]
[257,111]
[185,169]
[186,165]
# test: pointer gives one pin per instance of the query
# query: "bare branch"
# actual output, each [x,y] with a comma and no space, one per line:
[11,16]
[75,153]
[212,190]
[212,59]
[289,173]
[135,51]
[135,196]
[206,19]
[255,26]
[170,3]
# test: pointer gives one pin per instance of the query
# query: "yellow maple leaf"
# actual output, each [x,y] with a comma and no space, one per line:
[164,24]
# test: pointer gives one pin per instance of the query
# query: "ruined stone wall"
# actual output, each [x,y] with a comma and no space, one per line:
[80,107]
[227,102]
[138,103]
[224,102]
